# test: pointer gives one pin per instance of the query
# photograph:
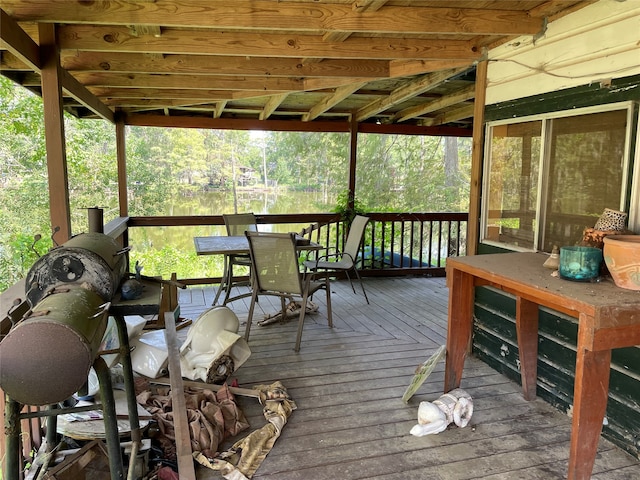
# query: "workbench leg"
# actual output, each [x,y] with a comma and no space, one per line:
[460,326]
[527,332]
[589,406]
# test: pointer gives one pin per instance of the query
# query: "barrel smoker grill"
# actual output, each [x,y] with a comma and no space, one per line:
[46,357]
[91,258]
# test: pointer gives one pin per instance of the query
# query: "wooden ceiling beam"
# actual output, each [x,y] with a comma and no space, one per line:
[146,30]
[336,36]
[331,100]
[137,80]
[460,96]
[255,14]
[219,109]
[206,82]
[272,105]
[306,59]
[218,65]
[362,6]
[312,84]
[406,129]
[551,7]
[119,39]
[184,94]
[339,126]
[16,40]
[412,88]
[20,44]
[460,113]
[154,103]
[9,61]
[405,68]
[78,91]
[359,6]
[237,124]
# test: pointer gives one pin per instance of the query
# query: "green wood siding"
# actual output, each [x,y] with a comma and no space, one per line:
[494,327]
[620,90]
[495,342]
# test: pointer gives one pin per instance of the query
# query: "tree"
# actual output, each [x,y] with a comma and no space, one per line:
[169,168]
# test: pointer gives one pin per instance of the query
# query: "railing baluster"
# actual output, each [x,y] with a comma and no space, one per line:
[421,257]
[383,244]
[401,252]
[440,243]
[411,244]
[372,262]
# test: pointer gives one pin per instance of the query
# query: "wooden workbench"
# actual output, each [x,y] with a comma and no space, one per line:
[608,317]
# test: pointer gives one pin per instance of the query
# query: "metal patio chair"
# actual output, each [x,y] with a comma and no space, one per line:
[236,225]
[344,261]
[275,269]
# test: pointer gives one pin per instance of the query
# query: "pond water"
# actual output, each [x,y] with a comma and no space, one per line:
[256,201]
[162,250]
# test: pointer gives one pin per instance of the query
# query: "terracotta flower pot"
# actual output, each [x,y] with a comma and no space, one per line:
[622,256]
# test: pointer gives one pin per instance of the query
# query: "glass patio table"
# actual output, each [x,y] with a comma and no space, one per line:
[236,245]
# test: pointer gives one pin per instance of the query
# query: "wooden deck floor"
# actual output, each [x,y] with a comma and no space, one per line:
[351,422]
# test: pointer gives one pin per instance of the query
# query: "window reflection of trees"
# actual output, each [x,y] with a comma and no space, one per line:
[585,173]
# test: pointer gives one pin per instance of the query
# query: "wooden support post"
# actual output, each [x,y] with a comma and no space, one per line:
[121,159]
[527,332]
[54,133]
[473,225]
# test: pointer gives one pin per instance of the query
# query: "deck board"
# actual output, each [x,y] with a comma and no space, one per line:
[348,381]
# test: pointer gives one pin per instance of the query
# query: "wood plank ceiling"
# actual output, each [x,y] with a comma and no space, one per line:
[408,62]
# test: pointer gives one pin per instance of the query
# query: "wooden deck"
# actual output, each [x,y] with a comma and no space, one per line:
[351,422]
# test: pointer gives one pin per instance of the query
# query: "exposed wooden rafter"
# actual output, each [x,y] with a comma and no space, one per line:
[265,15]
[289,59]
[419,85]
[24,48]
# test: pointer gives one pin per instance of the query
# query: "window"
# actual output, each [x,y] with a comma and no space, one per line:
[549,177]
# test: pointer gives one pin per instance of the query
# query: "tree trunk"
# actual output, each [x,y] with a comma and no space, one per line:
[450,160]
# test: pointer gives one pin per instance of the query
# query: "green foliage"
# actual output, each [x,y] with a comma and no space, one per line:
[167,260]
[18,255]
[409,173]
[346,211]
[174,170]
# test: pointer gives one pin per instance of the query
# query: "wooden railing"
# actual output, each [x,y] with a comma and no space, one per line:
[394,243]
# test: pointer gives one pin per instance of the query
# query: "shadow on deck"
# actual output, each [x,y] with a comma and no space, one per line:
[351,422]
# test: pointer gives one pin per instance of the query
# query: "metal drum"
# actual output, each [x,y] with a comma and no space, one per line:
[93,258]
[46,358]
